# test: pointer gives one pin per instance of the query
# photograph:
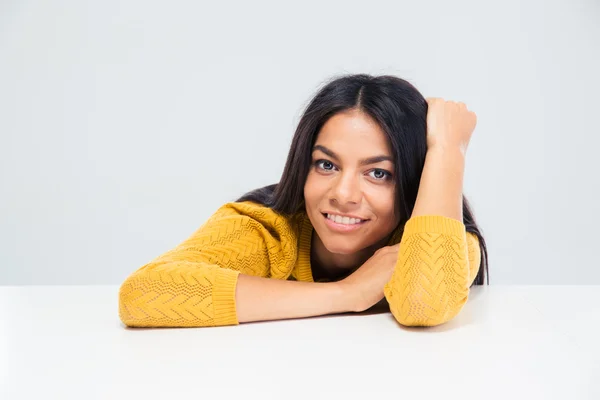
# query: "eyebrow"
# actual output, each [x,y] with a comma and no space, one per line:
[366,161]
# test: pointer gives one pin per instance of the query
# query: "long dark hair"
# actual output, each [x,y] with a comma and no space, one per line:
[401,112]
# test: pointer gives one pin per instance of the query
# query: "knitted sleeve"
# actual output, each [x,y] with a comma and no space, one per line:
[194,284]
[437,263]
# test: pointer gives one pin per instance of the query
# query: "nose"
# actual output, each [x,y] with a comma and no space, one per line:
[346,190]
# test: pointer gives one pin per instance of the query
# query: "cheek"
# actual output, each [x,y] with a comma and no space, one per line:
[308,188]
[310,194]
[383,203]
[313,188]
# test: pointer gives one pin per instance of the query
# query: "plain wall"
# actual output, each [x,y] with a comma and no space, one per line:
[125,124]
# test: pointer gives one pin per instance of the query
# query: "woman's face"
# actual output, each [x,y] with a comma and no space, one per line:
[351,174]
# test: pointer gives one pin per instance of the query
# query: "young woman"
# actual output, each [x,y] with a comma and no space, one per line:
[369,209]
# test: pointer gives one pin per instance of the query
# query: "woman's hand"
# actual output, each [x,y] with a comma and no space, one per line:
[449,124]
[364,287]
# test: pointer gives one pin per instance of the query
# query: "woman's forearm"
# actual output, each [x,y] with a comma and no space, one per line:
[440,189]
[263,299]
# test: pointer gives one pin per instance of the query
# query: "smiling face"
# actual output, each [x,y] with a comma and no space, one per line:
[351,174]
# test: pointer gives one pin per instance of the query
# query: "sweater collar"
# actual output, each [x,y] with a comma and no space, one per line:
[304,267]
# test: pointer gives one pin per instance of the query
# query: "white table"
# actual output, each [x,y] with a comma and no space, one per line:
[509,342]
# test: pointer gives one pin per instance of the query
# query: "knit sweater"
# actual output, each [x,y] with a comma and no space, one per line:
[194,284]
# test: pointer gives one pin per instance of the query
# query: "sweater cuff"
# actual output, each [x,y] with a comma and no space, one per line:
[435,224]
[224,297]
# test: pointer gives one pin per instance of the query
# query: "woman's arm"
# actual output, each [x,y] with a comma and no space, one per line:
[438,260]
[434,271]
[230,270]
[195,295]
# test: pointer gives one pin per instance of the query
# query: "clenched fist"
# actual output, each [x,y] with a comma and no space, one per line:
[449,124]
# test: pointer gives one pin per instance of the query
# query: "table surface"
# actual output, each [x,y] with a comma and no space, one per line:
[508,342]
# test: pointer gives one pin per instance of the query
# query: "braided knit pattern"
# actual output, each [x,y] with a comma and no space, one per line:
[169,294]
[430,284]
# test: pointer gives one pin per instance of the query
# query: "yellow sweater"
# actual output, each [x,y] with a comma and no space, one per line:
[194,283]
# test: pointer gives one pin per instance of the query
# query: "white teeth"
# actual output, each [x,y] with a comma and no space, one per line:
[343,220]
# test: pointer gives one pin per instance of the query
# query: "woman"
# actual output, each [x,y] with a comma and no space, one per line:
[369,209]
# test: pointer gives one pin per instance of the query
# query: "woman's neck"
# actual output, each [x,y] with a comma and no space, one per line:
[332,266]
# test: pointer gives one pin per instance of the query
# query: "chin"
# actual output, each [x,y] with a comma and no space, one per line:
[340,248]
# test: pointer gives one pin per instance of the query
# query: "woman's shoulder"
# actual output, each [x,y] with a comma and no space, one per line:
[259,215]
[257,211]
[248,208]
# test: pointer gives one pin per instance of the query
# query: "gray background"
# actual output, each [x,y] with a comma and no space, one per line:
[125,124]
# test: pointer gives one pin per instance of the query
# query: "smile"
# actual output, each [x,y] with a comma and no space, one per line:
[343,224]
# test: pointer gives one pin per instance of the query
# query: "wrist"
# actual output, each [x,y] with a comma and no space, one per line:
[447,148]
[342,300]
